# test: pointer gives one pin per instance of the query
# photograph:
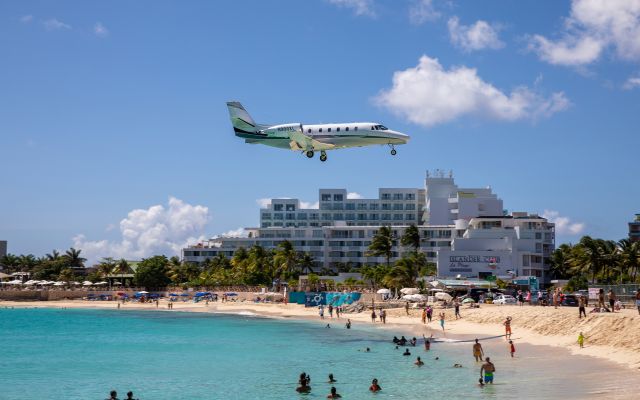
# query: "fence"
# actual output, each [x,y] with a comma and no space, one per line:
[625,293]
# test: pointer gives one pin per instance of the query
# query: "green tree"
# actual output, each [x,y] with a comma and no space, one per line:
[122,267]
[382,244]
[152,273]
[67,276]
[10,262]
[630,257]
[561,261]
[411,238]
[73,258]
[306,263]
[285,259]
[577,282]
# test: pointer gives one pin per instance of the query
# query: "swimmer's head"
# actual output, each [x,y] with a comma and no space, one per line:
[488,359]
[476,340]
[437,358]
[368,349]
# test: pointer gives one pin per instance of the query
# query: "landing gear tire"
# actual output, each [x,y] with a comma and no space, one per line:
[393,152]
[310,154]
[323,156]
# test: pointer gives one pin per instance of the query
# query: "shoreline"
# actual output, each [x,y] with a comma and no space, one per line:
[537,329]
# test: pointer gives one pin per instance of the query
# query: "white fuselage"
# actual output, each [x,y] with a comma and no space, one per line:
[341,135]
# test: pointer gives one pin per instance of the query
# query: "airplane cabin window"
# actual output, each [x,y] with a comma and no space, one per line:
[320,130]
[338,129]
[309,130]
[329,130]
[347,129]
[355,129]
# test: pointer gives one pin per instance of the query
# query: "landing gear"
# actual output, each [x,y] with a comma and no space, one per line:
[323,156]
[310,154]
[393,150]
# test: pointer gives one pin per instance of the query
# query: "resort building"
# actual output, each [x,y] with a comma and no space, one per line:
[3,249]
[634,229]
[453,222]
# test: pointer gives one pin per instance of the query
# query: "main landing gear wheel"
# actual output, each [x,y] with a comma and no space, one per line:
[393,152]
[323,156]
[310,154]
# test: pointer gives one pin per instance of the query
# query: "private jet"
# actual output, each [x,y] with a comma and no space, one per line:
[311,138]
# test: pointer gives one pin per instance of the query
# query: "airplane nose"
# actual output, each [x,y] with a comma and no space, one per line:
[401,136]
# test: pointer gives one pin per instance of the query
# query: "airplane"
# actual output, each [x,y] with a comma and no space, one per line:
[311,138]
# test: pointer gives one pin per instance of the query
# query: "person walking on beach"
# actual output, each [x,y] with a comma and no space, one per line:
[374,386]
[429,313]
[612,300]
[488,369]
[512,348]
[424,316]
[442,321]
[383,316]
[321,311]
[330,311]
[638,300]
[338,312]
[334,393]
[456,307]
[555,298]
[581,340]
[478,352]
[581,307]
[507,328]
[406,307]
[373,315]
[601,299]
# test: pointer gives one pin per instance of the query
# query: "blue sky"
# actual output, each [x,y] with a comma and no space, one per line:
[109,107]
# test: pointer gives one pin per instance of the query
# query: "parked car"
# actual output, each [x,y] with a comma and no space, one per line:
[504,299]
[570,300]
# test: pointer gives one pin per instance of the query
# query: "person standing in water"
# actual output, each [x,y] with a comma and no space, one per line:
[488,369]
[419,362]
[374,386]
[348,324]
[334,393]
[427,343]
[373,315]
[383,316]
[478,352]
[512,348]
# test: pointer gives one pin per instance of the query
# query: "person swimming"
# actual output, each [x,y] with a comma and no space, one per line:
[304,383]
[419,362]
[456,365]
[331,380]
[348,325]
[130,396]
[406,352]
[334,394]
[413,341]
[113,395]
[374,386]
[395,340]
[402,341]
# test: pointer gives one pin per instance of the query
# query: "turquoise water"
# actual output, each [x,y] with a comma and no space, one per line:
[82,354]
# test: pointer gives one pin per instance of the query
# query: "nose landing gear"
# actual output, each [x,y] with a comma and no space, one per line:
[393,150]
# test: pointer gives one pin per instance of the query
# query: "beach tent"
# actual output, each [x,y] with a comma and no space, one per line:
[383,291]
[231,294]
[409,290]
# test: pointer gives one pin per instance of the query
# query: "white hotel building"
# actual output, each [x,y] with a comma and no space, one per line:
[465,231]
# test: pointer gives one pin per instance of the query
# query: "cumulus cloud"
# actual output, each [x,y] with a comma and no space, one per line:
[632,83]
[428,95]
[422,11]
[592,27]
[264,202]
[354,195]
[564,225]
[25,19]
[359,7]
[240,232]
[478,36]
[100,30]
[54,24]
[146,232]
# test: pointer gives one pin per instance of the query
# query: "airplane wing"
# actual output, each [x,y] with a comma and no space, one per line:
[300,141]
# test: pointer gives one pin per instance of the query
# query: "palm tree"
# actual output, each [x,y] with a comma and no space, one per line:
[587,257]
[10,262]
[630,257]
[285,258]
[122,267]
[382,244]
[53,256]
[306,263]
[561,261]
[26,262]
[73,258]
[105,267]
[66,275]
[411,238]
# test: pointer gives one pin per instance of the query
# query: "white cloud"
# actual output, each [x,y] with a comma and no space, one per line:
[54,24]
[100,30]
[428,95]
[354,195]
[478,36]
[240,232]
[359,7]
[632,83]
[147,232]
[592,27]
[307,205]
[422,11]
[264,202]
[25,19]
[564,225]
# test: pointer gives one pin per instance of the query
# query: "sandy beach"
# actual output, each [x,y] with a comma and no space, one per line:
[609,336]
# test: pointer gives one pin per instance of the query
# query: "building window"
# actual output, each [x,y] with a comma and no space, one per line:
[338,217]
[408,217]
[362,217]
[325,197]
[350,216]
[302,216]
[385,217]
[373,216]
[290,216]
[266,215]
[410,207]
[362,206]
[397,206]
[386,206]
[525,260]
[374,206]
[290,207]
[350,206]
[277,207]
[397,196]
[397,217]
[386,196]
[326,216]
[313,216]
[277,216]
[410,196]
[538,235]
[337,197]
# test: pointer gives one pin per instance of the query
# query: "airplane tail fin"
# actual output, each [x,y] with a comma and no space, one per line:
[240,118]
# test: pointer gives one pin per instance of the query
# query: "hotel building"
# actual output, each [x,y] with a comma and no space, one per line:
[465,231]
[634,229]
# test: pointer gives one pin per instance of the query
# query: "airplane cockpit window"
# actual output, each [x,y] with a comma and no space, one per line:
[383,128]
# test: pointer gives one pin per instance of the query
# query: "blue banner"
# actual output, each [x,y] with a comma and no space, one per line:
[315,299]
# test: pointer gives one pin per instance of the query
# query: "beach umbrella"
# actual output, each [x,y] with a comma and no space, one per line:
[468,300]
[3,275]
[101,283]
[87,283]
[443,296]
[14,282]
[31,282]
[76,283]
[383,291]
[414,297]
[58,284]
[143,292]
[117,283]
[409,290]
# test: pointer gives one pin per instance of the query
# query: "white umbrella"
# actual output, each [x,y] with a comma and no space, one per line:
[46,282]
[31,282]
[86,283]
[117,283]
[409,290]
[143,292]
[383,291]
[101,283]
[76,283]
[58,284]
[443,296]
[414,297]
[14,282]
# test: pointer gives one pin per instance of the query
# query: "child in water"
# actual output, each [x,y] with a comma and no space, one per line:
[512,348]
